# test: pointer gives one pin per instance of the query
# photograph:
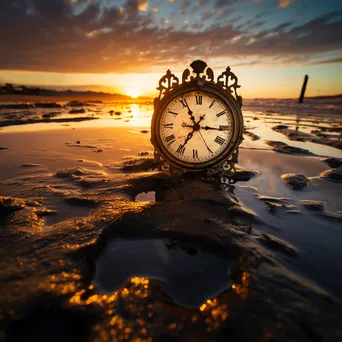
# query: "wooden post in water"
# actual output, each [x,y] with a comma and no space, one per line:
[302,93]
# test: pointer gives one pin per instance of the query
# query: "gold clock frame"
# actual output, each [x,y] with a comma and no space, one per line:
[199,78]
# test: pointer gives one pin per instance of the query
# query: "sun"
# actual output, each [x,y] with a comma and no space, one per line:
[133,93]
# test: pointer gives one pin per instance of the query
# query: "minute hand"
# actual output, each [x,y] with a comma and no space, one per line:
[217,129]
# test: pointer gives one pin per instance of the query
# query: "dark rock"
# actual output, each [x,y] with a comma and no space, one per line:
[144,131]
[77,104]
[313,205]
[29,165]
[17,106]
[138,165]
[332,215]
[272,199]
[3,148]
[51,115]
[252,135]
[244,175]
[117,113]
[296,182]
[48,105]
[77,111]
[335,144]
[9,205]
[81,202]
[99,150]
[279,146]
[277,245]
[142,154]
[333,175]
[78,142]
[70,172]
[271,206]
[333,162]
[280,127]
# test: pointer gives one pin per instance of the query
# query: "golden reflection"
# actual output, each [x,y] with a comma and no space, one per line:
[135,111]
[140,309]
[241,288]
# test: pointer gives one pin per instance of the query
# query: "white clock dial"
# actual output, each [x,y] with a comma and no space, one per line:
[196,127]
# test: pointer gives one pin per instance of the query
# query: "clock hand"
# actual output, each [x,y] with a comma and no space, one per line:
[207,127]
[217,129]
[206,143]
[189,111]
[196,124]
[201,118]
[190,135]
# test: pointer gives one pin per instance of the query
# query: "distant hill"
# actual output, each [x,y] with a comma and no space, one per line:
[10,89]
[325,97]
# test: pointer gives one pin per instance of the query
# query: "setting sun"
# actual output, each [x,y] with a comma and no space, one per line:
[133,93]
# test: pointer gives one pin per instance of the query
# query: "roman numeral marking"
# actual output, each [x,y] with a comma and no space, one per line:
[170,139]
[184,103]
[221,113]
[223,128]
[212,103]
[173,113]
[219,140]
[198,99]
[195,154]
[170,125]
[180,149]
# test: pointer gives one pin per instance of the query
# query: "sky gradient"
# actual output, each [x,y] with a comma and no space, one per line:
[125,46]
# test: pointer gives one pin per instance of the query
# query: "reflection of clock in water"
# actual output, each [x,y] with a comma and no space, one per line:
[198,124]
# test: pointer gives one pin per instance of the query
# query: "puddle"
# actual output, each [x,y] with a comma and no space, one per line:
[190,277]
[146,197]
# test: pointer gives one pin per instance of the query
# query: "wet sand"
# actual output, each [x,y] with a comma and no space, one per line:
[91,251]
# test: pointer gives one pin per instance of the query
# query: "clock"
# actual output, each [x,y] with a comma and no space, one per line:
[197,125]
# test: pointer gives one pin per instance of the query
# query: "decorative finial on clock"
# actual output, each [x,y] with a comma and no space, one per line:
[198,66]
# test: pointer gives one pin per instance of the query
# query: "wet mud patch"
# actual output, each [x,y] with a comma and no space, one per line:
[333,162]
[295,181]
[282,147]
[139,165]
[190,276]
[333,175]
[278,245]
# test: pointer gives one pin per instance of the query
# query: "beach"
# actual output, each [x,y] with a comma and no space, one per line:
[97,244]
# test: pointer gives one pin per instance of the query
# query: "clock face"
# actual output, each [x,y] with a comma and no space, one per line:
[196,127]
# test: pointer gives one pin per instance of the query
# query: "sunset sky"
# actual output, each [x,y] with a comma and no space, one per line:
[125,46]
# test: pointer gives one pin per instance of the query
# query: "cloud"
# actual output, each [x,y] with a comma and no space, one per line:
[285,3]
[328,61]
[55,37]
[245,64]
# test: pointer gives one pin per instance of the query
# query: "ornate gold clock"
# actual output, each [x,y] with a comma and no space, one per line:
[197,125]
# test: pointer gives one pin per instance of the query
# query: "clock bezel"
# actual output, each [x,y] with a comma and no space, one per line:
[225,97]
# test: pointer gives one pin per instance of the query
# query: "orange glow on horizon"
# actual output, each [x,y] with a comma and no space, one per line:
[133,93]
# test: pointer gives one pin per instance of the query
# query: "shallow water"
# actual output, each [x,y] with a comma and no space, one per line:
[190,277]
[77,221]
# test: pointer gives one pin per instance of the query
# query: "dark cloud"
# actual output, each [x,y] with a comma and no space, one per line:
[50,35]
